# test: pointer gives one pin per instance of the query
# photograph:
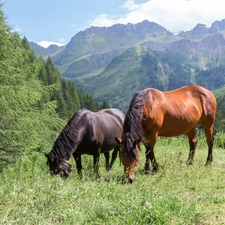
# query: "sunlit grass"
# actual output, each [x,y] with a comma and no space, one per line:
[177,194]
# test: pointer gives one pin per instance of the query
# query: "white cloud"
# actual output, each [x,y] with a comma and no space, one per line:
[46,44]
[129,4]
[174,15]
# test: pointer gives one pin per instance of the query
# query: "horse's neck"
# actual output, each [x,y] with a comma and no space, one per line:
[69,138]
[64,146]
[134,120]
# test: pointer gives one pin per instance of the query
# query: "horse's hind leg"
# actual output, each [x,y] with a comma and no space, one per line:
[192,143]
[77,158]
[209,139]
[114,156]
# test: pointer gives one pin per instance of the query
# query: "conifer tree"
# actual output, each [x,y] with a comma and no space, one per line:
[25,123]
[31,57]
[32,96]
[42,74]
[54,78]
[105,105]
[70,96]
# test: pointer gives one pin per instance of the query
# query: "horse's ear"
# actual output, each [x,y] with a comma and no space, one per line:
[48,156]
[118,140]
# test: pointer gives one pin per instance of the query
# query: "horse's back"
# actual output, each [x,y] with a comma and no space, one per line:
[111,122]
[113,112]
[100,129]
[176,112]
[194,96]
[201,98]
[104,117]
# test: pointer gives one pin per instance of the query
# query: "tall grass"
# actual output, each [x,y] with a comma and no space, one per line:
[177,194]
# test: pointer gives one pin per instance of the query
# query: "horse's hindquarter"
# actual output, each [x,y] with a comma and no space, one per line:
[90,140]
[110,125]
[101,128]
[180,116]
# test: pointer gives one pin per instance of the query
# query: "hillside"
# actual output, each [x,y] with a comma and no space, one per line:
[135,69]
[113,63]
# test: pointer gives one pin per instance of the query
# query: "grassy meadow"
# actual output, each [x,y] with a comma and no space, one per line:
[177,194]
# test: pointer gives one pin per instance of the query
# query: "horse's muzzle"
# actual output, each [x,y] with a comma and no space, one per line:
[130,180]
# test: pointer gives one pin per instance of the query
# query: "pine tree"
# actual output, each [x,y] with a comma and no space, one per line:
[54,78]
[32,97]
[42,73]
[26,122]
[70,96]
[105,105]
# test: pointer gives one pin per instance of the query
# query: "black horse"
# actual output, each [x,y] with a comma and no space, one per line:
[90,133]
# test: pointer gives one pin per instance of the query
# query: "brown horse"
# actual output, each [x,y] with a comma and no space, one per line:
[153,113]
[89,133]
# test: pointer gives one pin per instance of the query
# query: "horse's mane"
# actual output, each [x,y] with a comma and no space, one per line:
[67,139]
[132,126]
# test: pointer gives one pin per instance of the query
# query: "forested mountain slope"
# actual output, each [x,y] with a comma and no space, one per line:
[135,69]
[117,61]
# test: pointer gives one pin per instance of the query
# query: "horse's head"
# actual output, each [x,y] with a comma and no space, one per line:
[58,166]
[129,155]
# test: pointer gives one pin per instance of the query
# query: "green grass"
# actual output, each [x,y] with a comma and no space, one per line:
[177,194]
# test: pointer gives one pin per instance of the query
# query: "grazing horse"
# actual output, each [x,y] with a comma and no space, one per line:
[154,113]
[90,133]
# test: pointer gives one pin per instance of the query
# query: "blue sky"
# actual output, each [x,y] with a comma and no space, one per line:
[56,21]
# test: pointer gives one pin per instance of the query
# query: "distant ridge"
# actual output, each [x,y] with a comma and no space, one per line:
[114,62]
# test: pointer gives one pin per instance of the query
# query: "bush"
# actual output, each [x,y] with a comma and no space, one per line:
[219,141]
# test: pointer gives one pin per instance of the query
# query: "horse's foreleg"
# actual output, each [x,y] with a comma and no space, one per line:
[77,158]
[107,156]
[192,143]
[150,156]
[114,156]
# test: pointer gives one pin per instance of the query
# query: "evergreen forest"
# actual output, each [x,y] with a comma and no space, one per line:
[36,102]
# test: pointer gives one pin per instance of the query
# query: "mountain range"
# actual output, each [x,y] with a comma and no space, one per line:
[112,63]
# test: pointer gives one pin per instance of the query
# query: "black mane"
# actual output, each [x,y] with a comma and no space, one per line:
[132,126]
[68,138]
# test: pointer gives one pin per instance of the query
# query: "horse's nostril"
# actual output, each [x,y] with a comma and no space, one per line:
[131,180]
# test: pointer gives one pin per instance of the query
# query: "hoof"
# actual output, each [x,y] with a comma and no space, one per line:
[154,170]
[208,163]
[146,172]
[189,162]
